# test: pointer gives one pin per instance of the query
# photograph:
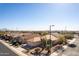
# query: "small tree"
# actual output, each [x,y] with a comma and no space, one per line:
[43,43]
[48,44]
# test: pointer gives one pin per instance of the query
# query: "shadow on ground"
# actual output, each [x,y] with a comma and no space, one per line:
[30,47]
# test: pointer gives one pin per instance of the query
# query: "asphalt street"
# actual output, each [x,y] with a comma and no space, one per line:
[4,51]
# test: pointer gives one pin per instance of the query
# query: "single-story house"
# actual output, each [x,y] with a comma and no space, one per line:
[32,39]
[35,39]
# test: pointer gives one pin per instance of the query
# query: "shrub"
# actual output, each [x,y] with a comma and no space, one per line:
[69,36]
[62,40]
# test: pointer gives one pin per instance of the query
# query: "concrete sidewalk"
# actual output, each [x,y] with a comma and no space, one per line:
[18,50]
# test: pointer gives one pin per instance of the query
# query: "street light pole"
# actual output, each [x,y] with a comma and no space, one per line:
[50,33]
[49,43]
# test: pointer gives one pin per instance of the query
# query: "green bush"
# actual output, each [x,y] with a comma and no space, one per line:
[69,36]
[62,40]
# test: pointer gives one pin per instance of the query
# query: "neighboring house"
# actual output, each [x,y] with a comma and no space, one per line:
[35,39]
[32,39]
[47,37]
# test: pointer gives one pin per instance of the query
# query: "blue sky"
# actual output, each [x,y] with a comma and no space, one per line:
[31,16]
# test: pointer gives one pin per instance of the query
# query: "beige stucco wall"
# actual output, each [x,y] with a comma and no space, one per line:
[33,43]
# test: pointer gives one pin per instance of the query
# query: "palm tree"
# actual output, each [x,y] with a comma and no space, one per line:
[43,41]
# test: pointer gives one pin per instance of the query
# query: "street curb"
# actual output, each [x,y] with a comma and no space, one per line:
[13,49]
